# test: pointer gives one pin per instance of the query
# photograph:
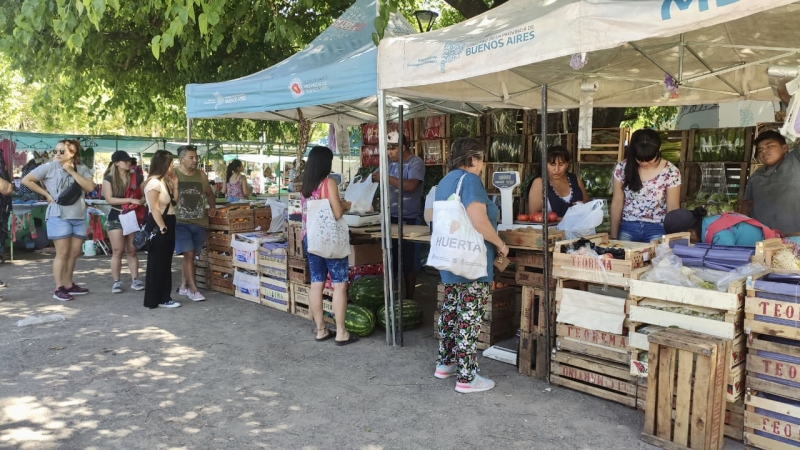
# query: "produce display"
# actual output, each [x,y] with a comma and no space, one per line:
[598,179]
[463,125]
[705,313]
[714,204]
[359,320]
[585,247]
[505,148]
[412,315]
[719,144]
[367,291]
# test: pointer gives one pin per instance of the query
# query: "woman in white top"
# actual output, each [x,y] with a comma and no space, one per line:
[158,190]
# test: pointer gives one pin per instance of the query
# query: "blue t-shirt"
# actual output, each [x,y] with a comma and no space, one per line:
[472,190]
[742,234]
[413,169]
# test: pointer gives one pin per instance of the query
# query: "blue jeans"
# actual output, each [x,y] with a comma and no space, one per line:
[640,231]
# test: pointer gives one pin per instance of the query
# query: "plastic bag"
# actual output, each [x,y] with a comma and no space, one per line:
[360,194]
[742,273]
[278,209]
[36,320]
[581,219]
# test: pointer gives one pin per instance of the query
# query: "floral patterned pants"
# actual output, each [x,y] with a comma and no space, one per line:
[459,326]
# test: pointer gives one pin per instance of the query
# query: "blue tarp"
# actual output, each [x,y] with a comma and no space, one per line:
[337,68]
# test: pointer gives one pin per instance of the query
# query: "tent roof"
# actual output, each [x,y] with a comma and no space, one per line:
[718,50]
[327,79]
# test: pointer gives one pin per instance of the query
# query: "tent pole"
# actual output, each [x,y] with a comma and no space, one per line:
[681,49]
[545,234]
[386,220]
[188,131]
[400,281]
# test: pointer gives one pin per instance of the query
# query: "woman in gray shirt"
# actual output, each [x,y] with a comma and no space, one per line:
[66,211]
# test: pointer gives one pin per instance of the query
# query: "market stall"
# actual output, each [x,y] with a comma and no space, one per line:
[561,55]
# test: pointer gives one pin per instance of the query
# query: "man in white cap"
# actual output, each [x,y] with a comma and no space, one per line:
[413,177]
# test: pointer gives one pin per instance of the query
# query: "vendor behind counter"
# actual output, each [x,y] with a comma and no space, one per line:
[772,193]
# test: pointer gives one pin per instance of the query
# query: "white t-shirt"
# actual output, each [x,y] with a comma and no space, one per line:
[157,185]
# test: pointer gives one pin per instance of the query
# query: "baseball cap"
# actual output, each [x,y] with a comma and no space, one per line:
[394,138]
[120,155]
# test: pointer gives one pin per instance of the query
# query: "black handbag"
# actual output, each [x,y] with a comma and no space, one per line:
[143,237]
[70,195]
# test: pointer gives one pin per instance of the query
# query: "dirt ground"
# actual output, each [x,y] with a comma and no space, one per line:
[229,374]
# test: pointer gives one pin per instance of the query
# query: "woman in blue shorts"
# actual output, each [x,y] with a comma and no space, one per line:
[66,183]
[317,186]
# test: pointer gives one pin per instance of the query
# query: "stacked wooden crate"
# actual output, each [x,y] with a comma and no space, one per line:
[201,272]
[274,284]
[532,320]
[245,265]
[591,350]
[227,221]
[655,306]
[772,397]
[297,271]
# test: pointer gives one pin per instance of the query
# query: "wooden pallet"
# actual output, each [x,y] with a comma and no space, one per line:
[596,377]
[687,370]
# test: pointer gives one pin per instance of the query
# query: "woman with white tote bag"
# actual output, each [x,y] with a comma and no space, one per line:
[326,242]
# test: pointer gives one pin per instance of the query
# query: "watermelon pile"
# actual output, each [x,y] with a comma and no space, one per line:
[412,315]
[367,291]
[359,320]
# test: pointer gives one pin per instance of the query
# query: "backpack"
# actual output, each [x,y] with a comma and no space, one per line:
[727,220]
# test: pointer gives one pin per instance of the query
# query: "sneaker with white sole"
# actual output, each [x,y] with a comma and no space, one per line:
[196,296]
[137,285]
[169,304]
[62,294]
[117,287]
[444,371]
[184,291]
[478,384]
[77,290]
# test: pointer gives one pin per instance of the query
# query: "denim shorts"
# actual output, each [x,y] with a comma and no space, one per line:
[189,237]
[320,267]
[58,228]
[113,225]
[640,231]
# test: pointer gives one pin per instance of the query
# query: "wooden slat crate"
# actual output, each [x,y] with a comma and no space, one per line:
[238,293]
[772,309]
[687,370]
[600,310]
[533,317]
[262,218]
[232,219]
[532,355]
[275,293]
[295,238]
[531,238]
[595,377]
[608,143]
[220,259]
[273,266]
[218,271]
[223,285]
[598,344]
[734,420]
[615,279]
[730,326]
[218,239]
[636,255]
[201,276]
[298,270]
[299,303]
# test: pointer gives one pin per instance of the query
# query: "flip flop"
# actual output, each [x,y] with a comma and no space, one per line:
[350,340]
[331,334]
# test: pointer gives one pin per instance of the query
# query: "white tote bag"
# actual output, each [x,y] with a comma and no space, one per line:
[327,237]
[581,219]
[456,246]
[129,223]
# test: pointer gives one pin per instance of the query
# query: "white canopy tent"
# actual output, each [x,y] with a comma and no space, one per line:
[562,54]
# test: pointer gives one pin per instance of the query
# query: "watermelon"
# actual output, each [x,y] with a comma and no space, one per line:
[412,315]
[367,291]
[359,320]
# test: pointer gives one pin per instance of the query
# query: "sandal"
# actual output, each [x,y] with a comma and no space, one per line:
[350,340]
[330,334]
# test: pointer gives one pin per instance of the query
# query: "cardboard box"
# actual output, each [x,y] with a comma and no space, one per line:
[365,254]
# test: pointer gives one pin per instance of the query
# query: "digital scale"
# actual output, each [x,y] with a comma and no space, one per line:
[357,220]
[505,182]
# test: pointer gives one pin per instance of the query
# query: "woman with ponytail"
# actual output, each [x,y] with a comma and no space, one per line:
[235,186]
[646,188]
[726,229]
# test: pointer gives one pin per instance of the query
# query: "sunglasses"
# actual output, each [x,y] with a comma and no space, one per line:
[59,152]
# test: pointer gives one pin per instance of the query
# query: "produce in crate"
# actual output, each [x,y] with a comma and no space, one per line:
[367,291]
[359,320]
[585,246]
[785,259]
[412,315]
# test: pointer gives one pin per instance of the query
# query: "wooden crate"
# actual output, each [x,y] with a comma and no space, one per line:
[734,420]
[220,259]
[495,331]
[262,218]
[275,293]
[689,369]
[595,377]
[615,279]
[766,250]
[598,344]
[736,356]
[298,270]
[223,285]
[201,277]
[771,422]
[245,296]
[232,219]
[731,300]
[532,355]
[295,238]
[606,142]
[533,317]
[636,255]
[218,271]
[273,266]
[531,238]
[578,306]
[533,276]
[777,315]
[730,327]
[218,239]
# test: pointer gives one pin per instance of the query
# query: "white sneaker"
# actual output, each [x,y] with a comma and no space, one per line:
[478,384]
[137,285]
[196,296]
[444,371]
[117,287]
[169,304]
[183,291]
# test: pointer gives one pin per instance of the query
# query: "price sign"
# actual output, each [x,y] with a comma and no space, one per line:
[505,180]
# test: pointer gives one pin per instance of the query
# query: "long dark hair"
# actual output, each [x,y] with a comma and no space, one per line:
[645,145]
[318,167]
[232,167]
[160,164]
